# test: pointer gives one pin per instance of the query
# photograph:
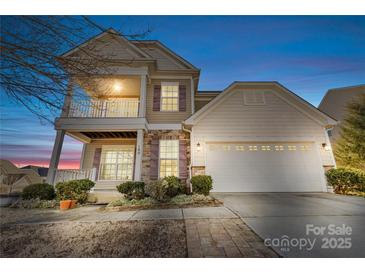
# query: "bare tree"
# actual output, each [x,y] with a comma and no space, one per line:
[31,70]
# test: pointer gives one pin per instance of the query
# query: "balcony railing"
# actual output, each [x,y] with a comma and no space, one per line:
[104,108]
[64,175]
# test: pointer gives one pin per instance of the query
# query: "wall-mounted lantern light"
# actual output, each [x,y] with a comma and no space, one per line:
[117,87]
[198,147]
[326,147]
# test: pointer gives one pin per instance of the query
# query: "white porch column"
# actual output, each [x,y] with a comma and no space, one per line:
[142,99]
[139,156]
[55,158]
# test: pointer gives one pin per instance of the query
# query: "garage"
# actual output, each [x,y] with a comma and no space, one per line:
[265,167]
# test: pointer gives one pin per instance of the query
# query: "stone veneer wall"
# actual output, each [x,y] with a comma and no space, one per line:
[163,135]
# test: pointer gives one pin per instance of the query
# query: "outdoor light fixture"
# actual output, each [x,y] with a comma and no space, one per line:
[326,147]
[198,148]
[117,87]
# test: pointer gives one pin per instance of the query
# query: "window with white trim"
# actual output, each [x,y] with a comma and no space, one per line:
[169,158]
[117,163]
[169,96]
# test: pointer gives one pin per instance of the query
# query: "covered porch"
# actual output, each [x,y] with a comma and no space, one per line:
[108,158]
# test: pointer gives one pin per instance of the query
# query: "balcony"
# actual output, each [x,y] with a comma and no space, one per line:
[116,108]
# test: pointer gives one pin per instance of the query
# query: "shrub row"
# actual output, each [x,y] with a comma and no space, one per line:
[71,190]
[346,180]
[165,189]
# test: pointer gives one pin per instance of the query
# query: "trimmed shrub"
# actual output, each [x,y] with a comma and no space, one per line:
[74,190]
[38,191]
[174,186]
[202,184]
[132,189]
[158,190]
[346,180]
[163,190]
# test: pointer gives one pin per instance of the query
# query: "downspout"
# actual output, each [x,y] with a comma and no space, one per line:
[191,153]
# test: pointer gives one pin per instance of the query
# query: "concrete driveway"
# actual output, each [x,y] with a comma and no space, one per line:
[303,224]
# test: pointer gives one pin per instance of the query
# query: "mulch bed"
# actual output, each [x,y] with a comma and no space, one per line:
[213,203]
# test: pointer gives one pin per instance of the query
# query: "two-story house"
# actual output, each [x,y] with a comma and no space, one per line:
[145,119]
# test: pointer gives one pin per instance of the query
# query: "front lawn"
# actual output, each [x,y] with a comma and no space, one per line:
[178,201]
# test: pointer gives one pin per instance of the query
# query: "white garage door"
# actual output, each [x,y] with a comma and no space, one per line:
[264,167]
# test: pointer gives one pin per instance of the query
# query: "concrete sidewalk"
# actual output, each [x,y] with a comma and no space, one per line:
[95,214]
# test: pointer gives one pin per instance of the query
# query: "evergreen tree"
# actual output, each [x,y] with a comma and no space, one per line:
[350,148]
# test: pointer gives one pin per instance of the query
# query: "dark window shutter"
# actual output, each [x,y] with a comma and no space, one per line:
[96,161]
[156,97]
[183,172]
[182,98]
[154,159]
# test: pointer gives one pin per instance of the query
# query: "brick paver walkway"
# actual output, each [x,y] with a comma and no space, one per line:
[223,238]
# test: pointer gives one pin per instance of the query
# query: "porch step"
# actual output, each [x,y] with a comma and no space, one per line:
[106,185]
[103,196]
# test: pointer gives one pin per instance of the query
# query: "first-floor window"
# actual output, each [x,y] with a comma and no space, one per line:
[169,158]
[117,163]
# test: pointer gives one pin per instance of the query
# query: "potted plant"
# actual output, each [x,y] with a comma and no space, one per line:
[64,195]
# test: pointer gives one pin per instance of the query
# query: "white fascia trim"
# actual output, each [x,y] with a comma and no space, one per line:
[299,109]
[162,77]
[164,126]
[226,92]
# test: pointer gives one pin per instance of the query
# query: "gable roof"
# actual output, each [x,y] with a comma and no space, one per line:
[335,100]
[287,95]
[141,50]
[149,45]
[113,34]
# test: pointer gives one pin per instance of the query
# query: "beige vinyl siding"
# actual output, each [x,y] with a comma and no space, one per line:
[335,102]
[109,46]
[162,117]
[89,150]
[276,120]
[164,61]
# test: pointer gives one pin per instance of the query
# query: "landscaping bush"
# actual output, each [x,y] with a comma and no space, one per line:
[132,190]
[38,191]
[163,190]
[345,180]
[74,190]
[174,186]
[202,184]
[158,190]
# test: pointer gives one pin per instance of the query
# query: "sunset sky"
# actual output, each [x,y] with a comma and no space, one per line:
[307,54]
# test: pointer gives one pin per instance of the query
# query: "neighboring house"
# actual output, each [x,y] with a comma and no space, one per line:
[13,179]
[42,171]
[334,103]
[250,137]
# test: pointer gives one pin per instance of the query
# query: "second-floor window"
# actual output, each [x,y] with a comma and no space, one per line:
[169,96]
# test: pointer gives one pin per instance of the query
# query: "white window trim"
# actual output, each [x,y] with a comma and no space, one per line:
[178,95]
[178,157]
[111,147]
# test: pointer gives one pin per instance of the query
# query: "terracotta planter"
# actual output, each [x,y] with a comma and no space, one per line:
[73,203]
[65,204]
